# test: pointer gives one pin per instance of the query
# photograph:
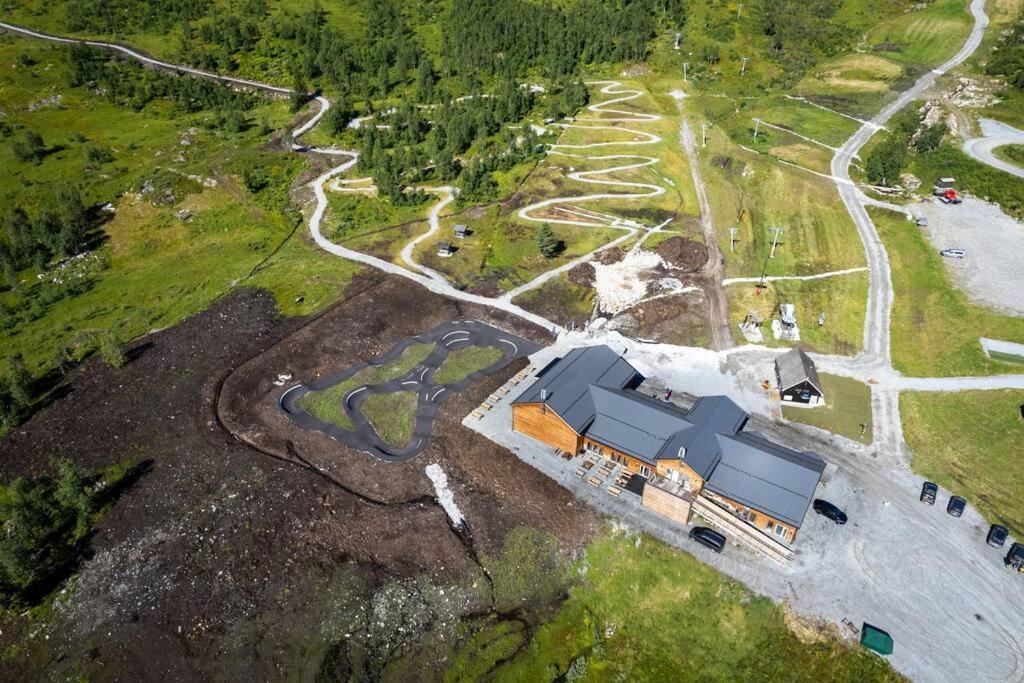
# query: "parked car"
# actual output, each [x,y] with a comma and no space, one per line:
[953,253]
[830,511]
[1015,558]
[956,506]
[708,537]
[928,493]
[997,536]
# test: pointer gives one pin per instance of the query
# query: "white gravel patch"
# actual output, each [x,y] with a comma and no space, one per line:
[991,274]
[626,283]
[444,494]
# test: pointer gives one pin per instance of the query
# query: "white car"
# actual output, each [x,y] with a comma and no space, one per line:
[953,253]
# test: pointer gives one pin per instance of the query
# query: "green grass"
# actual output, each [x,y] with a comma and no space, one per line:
[842,298]
[644,611]
[392,415]
[1013,154]
[157,269]
[325,405]
[462,363]
[970,442]
[559,299]
[935,329]
[847,406]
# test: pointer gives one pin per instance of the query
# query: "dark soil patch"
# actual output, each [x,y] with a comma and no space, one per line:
[686,255]
[582,275]
[677,319]
[218,562]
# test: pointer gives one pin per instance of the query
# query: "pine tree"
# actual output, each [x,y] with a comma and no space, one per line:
[547,243]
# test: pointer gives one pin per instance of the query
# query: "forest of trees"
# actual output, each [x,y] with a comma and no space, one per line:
[802,33]
[57,230]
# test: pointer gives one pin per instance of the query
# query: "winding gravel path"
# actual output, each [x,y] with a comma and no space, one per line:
[995,134]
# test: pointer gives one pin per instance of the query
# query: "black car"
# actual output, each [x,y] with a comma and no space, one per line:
[1015,558]
[997,536]
[827,509]
[708,537]
[928,493]
[956,506]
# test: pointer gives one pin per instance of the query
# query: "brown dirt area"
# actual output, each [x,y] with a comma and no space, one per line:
[683,254]
[677,319]
[229,561]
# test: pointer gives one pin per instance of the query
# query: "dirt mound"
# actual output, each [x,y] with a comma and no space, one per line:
[582,275]
[675,319]
[684,254]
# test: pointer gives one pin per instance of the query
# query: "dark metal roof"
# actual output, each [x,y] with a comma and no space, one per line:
[764,475]
[633,423]
[795,366]
[567,382]
[586,388]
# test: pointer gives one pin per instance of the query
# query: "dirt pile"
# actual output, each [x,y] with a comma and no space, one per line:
[683,254]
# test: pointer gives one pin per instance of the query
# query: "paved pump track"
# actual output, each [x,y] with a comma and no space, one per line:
[445,338]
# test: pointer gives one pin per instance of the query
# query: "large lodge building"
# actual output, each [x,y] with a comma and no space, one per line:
[702,457]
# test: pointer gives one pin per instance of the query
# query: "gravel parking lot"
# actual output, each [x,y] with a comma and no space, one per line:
[991,273]
[906,567]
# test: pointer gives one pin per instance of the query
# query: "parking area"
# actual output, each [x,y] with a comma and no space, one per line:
[993,241]
[928,578]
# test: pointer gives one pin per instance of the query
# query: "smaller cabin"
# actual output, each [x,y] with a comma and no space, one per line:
[797,378]
[444,249]
[461,231]
[945,183]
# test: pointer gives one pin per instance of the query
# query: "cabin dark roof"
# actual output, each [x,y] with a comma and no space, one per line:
[587,389]
[444,246]
[567,381]
[633,423]
[794,367]
[764,475]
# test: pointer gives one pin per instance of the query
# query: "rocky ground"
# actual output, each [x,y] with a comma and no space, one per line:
[293,557]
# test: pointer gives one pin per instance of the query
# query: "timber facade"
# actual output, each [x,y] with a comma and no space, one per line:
[585,403]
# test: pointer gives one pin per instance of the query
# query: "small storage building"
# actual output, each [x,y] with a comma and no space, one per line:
[797,378]
[444,248]
[460,231]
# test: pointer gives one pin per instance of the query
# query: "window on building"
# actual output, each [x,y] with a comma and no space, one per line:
[768,524]
[645,470]
[780,530]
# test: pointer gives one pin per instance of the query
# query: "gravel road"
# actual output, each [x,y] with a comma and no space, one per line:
[995,134]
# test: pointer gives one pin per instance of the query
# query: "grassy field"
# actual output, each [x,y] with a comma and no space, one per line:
[560,299]
[641,612]
[462,363]
[935,329]
[1013,154]
[843,300]
[847,407]
[153,269]
[969,442]
[392,415]
[326,404]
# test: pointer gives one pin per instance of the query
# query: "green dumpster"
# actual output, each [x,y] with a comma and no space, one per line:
[874,638]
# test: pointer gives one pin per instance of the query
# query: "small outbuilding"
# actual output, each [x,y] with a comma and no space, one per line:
[444,248]
[798,378]
[461,231]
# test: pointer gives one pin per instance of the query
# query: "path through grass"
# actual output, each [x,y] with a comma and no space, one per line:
[326,404]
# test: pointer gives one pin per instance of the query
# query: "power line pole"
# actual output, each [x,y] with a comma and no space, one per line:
[739,8]
[757,127]
[743,68]
[704,134]
[732,239]
[775,240]
[686,65]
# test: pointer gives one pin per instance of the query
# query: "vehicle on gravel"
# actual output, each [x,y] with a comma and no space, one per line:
[956,506]
[997,536]
[953,253]
[708,538]
[1015,558]
[928,493]
[829,511]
